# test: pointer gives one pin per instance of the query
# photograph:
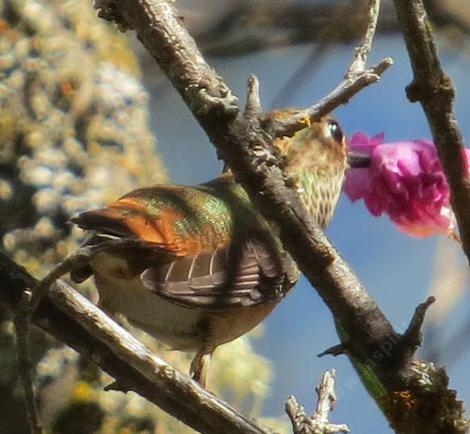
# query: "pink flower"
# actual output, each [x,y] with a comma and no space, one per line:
[404,180]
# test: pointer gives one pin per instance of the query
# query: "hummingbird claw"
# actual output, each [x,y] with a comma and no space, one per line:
[200,366]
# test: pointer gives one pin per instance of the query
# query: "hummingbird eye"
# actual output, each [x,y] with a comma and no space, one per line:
[335,130]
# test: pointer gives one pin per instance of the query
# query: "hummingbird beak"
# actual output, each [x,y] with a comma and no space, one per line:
[358,160]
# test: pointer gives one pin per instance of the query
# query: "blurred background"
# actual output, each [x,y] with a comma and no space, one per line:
[108,113]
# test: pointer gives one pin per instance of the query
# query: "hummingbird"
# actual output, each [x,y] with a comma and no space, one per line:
[209,267]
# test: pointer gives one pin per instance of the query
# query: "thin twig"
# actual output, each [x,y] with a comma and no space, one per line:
[319,422]
[25,364]
[351,13]
[341,94]
[434,90]
[359,62]
[356,78]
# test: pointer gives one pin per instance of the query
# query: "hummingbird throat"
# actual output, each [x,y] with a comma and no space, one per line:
[319,192]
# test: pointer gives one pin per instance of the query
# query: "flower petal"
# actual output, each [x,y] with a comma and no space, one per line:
[404,180]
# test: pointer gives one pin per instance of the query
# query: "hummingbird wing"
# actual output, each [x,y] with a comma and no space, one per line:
[202,246]
[244,273]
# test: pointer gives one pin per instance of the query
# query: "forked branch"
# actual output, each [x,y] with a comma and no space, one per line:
[356,78]
[319,422]
[433,88]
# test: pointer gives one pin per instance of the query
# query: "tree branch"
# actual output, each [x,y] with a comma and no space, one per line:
[434,90]
[318,423]
[381,356]
[362,52]
[24,362]
[341,94]
[71,318]
[357,77]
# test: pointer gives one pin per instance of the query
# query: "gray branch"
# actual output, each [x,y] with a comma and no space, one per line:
[25,363]
[318,423]
[434,90]
[362,52]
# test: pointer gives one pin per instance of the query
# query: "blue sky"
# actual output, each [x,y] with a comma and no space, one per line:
[396,269]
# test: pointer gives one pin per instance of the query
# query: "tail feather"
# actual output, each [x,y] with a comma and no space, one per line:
[105,221]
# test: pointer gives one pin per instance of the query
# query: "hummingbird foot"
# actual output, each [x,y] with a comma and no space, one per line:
[200,366]
[74,261]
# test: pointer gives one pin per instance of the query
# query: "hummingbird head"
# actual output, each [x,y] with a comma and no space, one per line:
[316,159]
[319,146]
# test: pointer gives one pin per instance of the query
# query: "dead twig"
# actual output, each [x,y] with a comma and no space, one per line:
[25,364]
[319,422]
[357,77]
